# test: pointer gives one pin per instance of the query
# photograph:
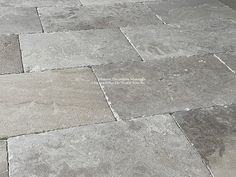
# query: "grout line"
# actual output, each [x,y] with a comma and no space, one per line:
[8,164]
[37,12]
[224,63]
[22,65]
[159,17]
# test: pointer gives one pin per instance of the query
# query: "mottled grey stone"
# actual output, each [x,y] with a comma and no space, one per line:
[148,147]
[3,159]
[229,59]
[94,17]
[168,85]
[230,3]
[36,102]
[155,42]
[103,2]
[19,20]
[204,15]
[212,131]
[39,3]
[10,55]
[72,49]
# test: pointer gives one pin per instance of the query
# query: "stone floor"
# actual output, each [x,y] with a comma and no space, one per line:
[117,88]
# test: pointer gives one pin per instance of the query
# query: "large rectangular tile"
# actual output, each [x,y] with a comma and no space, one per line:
[153,146]
[72,49]
[140,89]
[39,3]
[212,131]
[10,55]
[155,42]
[94,17]
[3,159]
[19,20]
[44,101]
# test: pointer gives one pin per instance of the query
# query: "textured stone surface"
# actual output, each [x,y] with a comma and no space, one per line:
[169,85]
[3,159]
[93,17]
[198,14]
[44,101]
[39,3]
[212,131]
[19,20]
[229,59]
[10,56]
[104,2]
[143,147]
[60,50]
[155,42]
[230,3]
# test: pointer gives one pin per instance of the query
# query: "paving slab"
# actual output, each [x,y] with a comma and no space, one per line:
[104,2]
[73,49]
[37,102]
[212,131]
[141,89]
[163,41]
[39,3]
[96,17]
[228,59]
[208,15]
[19,20]
[153,146]
[10,55]
[3,159]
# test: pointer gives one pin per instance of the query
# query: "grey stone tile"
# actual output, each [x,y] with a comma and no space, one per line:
[155,42]
[229,59]
[94,17]
[144,147]
[230,3]
[72,49]
[168,85]
[19,20]
[212,131]
[39,3]
[208,15]
[36,102]
[103,2]
[10,55]
[3,159]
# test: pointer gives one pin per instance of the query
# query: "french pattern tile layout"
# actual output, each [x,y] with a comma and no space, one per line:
[3,159]
[94,17]
[152,146]
[140,89]
[10,55]
[212,132]
[73,49]
[19,20]
[37,102]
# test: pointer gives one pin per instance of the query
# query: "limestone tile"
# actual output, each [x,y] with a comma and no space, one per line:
[212,131]
[10,55]
[207,15]
[163,41]
[229,59]
[37,102]
[72,49]
[152,146]
[39,3]
[19,20]
[141,89]
[3,159]
[96,17]
[104,2]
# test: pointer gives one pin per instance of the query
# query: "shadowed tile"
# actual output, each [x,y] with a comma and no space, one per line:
[141,89]
[94,17]
[144,147]
[19,20]
[3,159]
[212,131]
[10,55]
[73,49]
[38,102]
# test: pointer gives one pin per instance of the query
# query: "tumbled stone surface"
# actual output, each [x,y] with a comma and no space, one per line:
[10,56]
[155,42]
[104,2]
[212,131]
[44,101]
[39,3]
[19,20]
[60,50]
[153,146]
[169,85]
[94,17]
[229,59]
[3,159]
